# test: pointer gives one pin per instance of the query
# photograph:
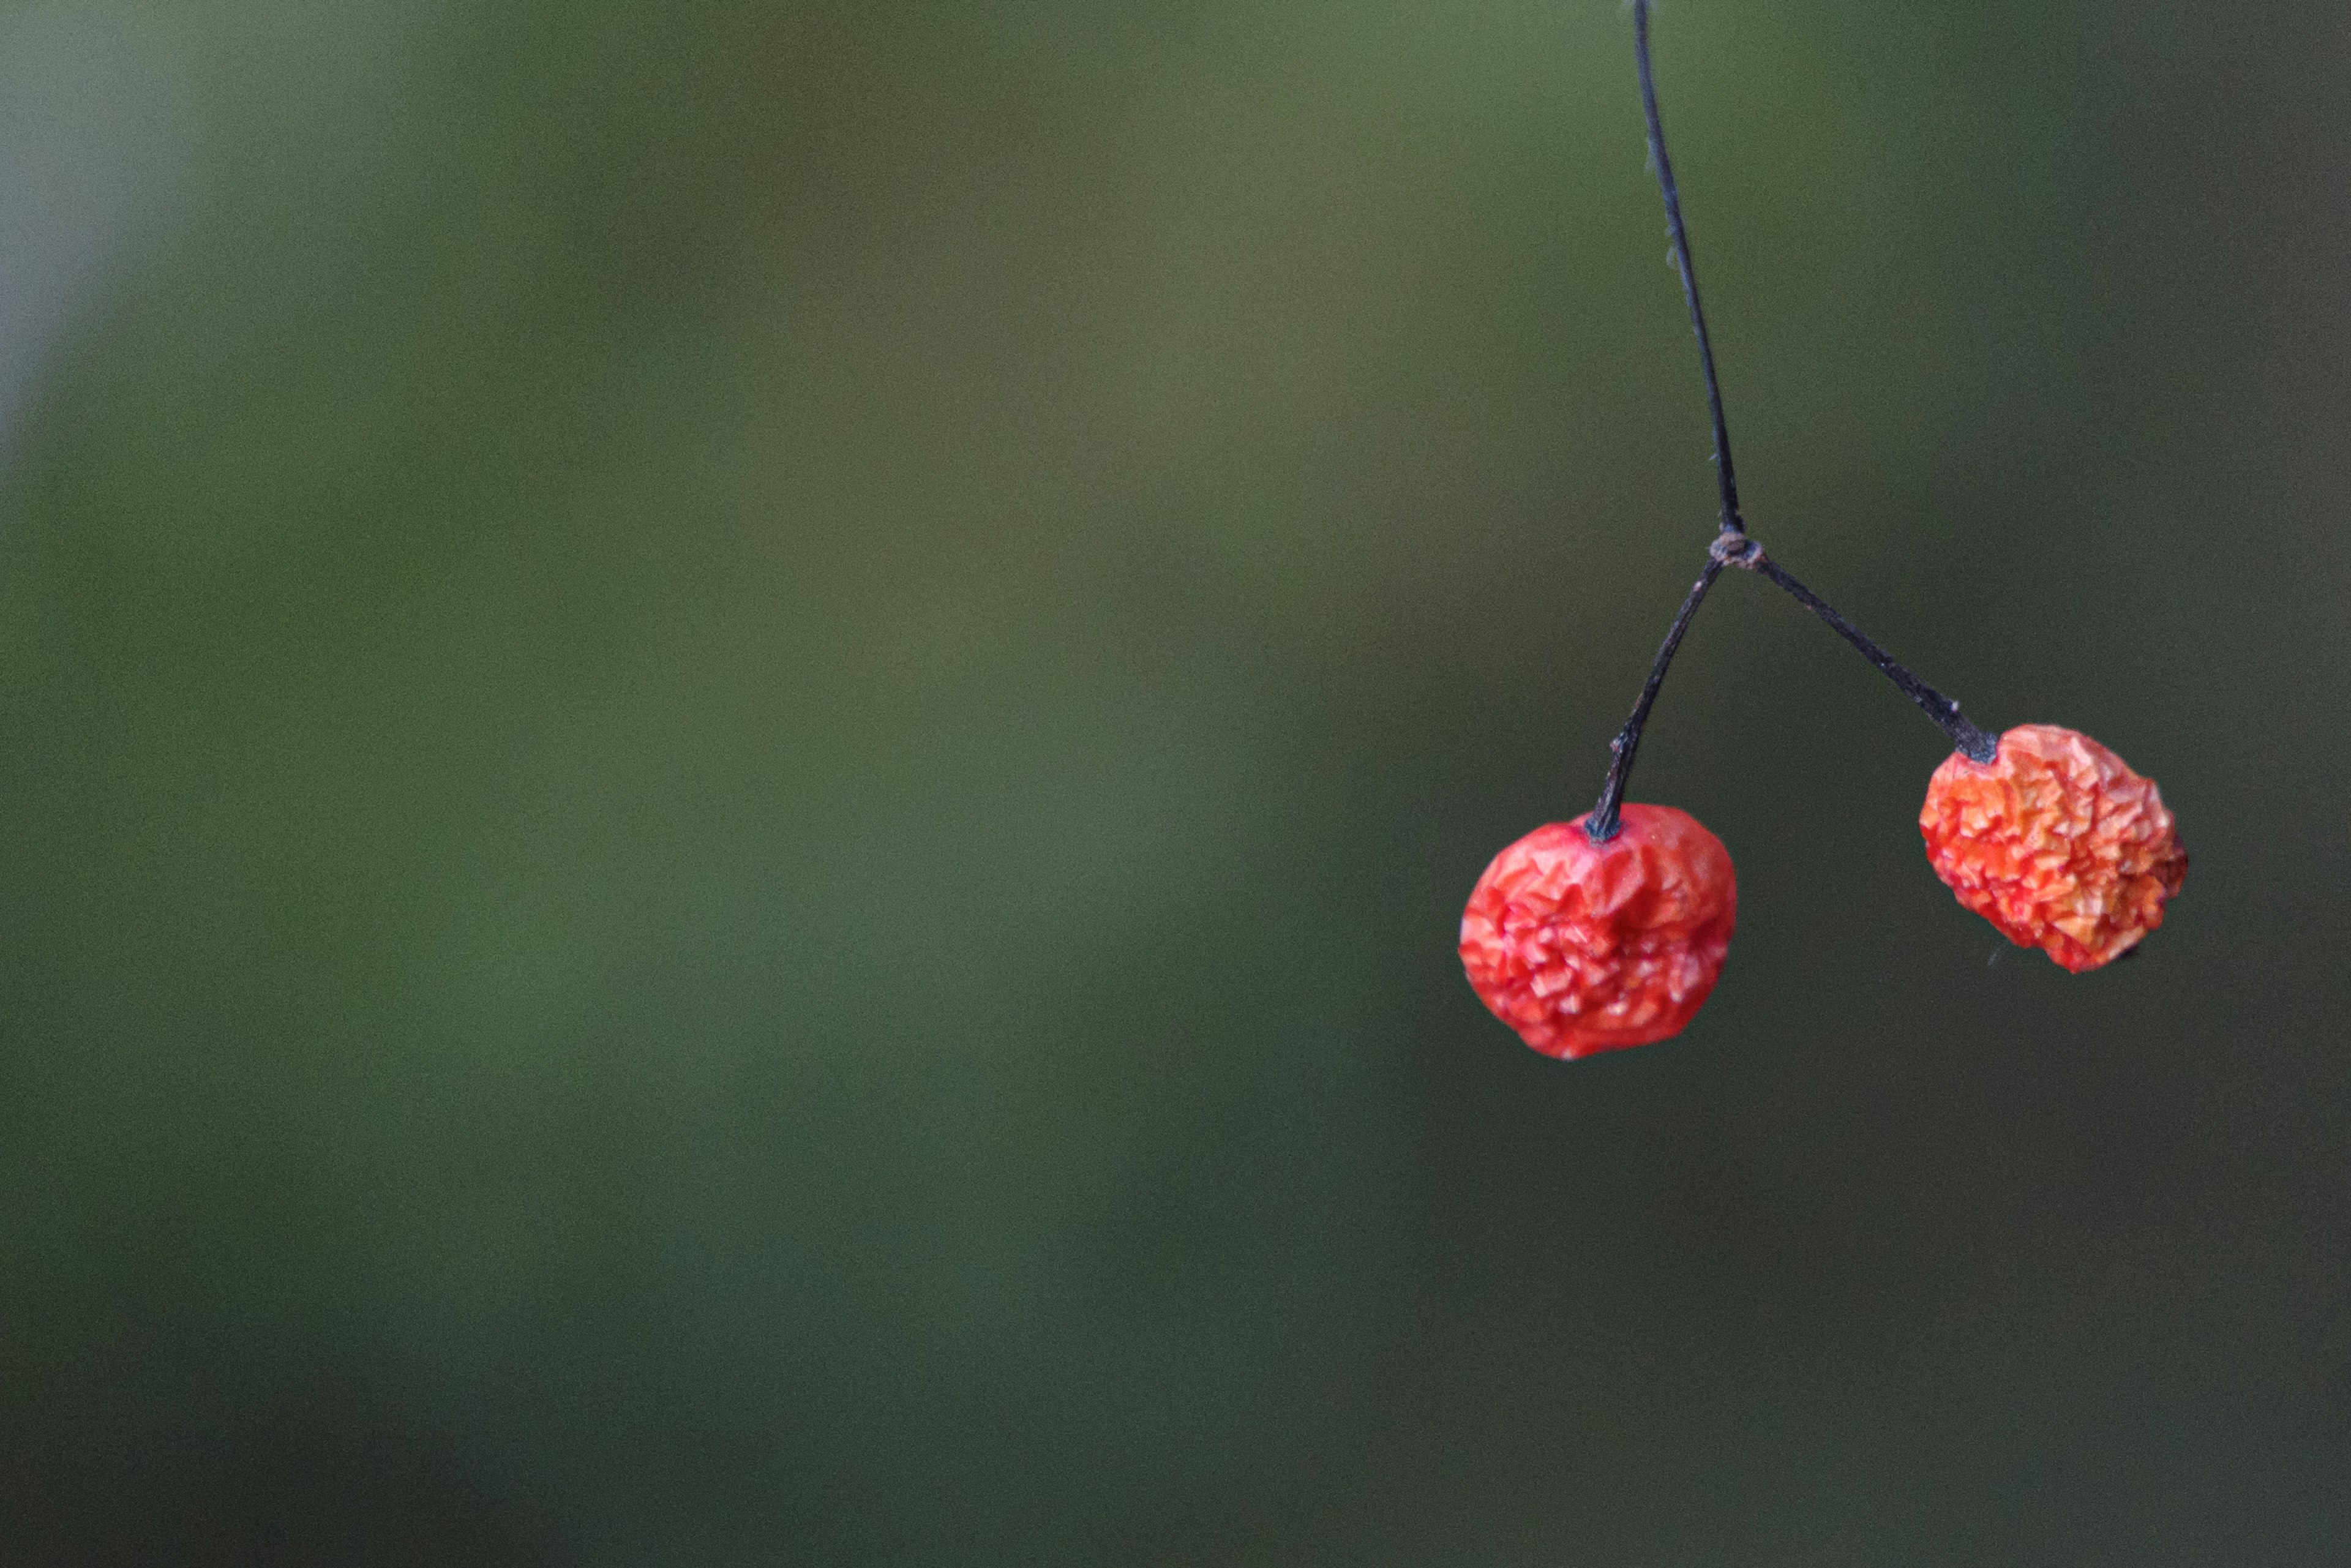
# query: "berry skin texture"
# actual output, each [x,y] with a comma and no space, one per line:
[2055,842]
[1584,947]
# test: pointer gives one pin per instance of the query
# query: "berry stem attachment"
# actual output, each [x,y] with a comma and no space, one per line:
[1732,545]
[1978,745]
[1600,826]
[1732,523]
[1740,550]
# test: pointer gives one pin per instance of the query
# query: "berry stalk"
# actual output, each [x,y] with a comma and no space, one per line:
[1978,745]
[1600,826]
[1732,523]
[1732,546]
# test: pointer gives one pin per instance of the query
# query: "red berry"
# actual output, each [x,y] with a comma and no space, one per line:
[2055,842]
[1583,947]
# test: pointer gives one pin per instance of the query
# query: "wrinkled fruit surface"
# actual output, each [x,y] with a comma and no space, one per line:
[1582,947]
[2057,842]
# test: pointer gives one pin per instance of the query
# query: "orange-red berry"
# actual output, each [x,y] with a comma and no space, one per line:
[2055,842]
[1583,947]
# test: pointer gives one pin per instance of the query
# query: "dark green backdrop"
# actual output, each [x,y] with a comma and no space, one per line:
[738,745]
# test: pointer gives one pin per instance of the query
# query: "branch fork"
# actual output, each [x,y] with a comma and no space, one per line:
[1732,546]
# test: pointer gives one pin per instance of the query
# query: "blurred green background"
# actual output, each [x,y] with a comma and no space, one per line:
[738,745]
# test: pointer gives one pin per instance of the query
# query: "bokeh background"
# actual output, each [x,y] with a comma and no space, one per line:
[738,745]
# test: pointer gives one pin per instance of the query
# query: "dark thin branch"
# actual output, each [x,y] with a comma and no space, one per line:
[1731,521]
[1979,746]
[1601,825]
[1731,546]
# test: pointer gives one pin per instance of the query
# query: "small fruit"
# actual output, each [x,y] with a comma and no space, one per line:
[1584,947]
[2055,842]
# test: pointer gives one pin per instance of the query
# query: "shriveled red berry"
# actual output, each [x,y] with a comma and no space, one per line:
[2055,842]
[1583,947]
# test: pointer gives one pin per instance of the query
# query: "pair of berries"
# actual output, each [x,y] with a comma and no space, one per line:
[1611,930]
[1585,947]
